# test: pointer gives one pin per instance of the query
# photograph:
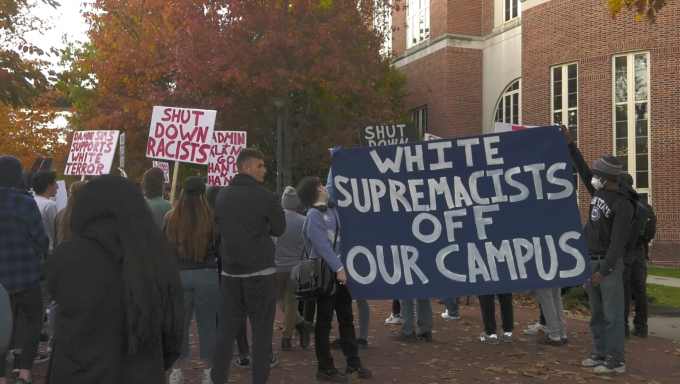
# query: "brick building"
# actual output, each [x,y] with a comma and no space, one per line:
[614,83]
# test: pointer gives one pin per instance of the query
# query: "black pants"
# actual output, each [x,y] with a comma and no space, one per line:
[309,310]
[541,320]
[252,298]
[396,307]
[635,285]
[488,307]
[341,304]
[29,302]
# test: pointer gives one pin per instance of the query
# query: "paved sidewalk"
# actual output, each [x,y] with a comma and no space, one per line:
[666,281]
[455,356]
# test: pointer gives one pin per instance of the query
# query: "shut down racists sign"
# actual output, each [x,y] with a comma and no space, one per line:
[460,217]
[181,134]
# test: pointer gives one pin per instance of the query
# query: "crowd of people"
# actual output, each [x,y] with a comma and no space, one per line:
[122,273]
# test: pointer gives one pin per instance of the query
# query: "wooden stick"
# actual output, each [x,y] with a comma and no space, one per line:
[82,178]
[175,173]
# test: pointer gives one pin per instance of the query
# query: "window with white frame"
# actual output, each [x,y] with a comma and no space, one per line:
[508,108]
[419,116]
[631,117]
[383,21]
[417,22]
[564,100]
[510,9]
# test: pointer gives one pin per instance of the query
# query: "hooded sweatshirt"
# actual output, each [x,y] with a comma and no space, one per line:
[290,245]
[611,216]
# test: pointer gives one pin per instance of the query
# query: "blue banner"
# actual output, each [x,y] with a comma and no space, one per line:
[460,217]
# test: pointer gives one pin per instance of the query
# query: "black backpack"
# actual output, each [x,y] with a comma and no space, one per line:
[639,217]
[648,230]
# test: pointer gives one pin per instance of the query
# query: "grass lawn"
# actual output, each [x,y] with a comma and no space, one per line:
[664,272]
[664,296]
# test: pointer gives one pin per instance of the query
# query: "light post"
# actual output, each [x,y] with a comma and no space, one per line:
[279,103]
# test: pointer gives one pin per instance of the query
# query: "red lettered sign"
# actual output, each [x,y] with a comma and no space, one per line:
[91,153]
[181,134]
[225,147]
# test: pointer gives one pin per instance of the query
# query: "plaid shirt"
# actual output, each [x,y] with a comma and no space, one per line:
[22,240]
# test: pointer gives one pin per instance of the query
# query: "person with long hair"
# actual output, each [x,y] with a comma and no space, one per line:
[119,292]
[64,216]
[321,234]
[190,228]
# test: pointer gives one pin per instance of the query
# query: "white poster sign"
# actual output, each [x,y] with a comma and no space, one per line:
[181,134]
[91,153]
[165,167]
[225,148]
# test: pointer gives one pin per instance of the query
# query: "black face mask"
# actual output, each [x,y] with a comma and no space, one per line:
[324,208]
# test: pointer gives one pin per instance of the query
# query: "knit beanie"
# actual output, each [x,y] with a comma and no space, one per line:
[290,199]
[11,171]
[608,168]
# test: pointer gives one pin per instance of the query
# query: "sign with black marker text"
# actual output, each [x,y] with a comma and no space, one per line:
[387,134]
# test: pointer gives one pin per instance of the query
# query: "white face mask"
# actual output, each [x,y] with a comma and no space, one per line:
[597,183]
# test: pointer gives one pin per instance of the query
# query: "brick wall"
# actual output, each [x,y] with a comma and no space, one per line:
[562,31]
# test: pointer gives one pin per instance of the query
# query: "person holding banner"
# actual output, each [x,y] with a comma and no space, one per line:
[607,231]
[321,233]
[152,185]
[190,228]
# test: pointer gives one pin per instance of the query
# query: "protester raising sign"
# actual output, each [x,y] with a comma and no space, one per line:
[460,217]
[181,134]
[165,167]
[91,153]
[226,146]
[387,134]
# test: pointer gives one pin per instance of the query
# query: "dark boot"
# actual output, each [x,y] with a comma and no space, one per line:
[286,344]
[401,336]
[426,337]
[304,328]
[358,369]
[332,375]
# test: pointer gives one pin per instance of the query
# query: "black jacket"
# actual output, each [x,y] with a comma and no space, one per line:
[91,347]
[248,215]
[611,216]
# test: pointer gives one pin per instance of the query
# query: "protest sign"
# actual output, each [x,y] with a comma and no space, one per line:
[91,153]
[507,127]
[226,146]
[429,137]
[62,195]
[181,134]
[459,217]
[387,134]
[165,167]
[42,164]
[121,151]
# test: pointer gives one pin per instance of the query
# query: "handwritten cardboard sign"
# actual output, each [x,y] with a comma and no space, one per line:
[225,148]
[91,153]
[165,167]
[387,134]
[181,134]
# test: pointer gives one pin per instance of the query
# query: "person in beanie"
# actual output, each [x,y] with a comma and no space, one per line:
[288,251]
[23,246]
[248,216]
[607,230]
[152,185]
[190,228]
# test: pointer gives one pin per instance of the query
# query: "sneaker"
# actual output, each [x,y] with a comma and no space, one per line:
[610,365]
[507,337]
[639,333]
[336,344]
[401,336]
[362,343]
[535,330]
[425,336]
[332,375]
[394,319]
[243,363]
[488,339]
[593,361]
[176,377]
[546,340]
[206,379]
[447,316]
[273,362]
[360,370]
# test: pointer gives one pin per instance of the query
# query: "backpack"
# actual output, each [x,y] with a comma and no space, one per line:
[639,217]
[648,230]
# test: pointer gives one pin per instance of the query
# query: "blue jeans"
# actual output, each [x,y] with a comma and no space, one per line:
[424,311]
[451,304]
[364,318]
[201,296]
[606,307]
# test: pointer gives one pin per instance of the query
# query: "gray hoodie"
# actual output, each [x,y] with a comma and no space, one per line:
[289,246]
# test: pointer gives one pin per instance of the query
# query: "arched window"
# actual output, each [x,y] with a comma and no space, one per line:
[509,105]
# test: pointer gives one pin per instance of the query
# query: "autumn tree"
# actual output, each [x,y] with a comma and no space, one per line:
[232,56]
[21,67]
[643,9]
